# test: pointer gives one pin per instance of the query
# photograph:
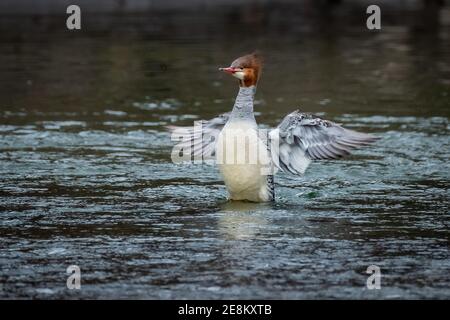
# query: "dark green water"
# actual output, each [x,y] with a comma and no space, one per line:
[86,175]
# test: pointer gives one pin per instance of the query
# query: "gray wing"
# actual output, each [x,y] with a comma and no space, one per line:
[303,137]
[201,138]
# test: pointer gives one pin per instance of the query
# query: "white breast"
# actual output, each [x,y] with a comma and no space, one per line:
[243,161]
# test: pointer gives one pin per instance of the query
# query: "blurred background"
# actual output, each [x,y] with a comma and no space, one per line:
[85,162]
[314,50]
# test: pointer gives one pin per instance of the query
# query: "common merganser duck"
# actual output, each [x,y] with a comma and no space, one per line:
[246,158]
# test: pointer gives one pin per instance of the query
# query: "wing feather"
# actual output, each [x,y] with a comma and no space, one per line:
[202,141]
[303,137]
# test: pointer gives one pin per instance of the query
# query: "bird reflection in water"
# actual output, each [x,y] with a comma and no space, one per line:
[240,220]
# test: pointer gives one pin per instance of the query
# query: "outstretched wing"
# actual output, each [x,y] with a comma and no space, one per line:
[303,137]
[202,137]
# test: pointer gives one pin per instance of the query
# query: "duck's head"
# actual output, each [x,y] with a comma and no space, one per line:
[246,68]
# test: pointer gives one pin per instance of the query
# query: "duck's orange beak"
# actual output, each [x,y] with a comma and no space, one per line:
[229,70]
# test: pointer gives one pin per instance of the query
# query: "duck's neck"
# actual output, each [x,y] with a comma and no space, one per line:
[243,106]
